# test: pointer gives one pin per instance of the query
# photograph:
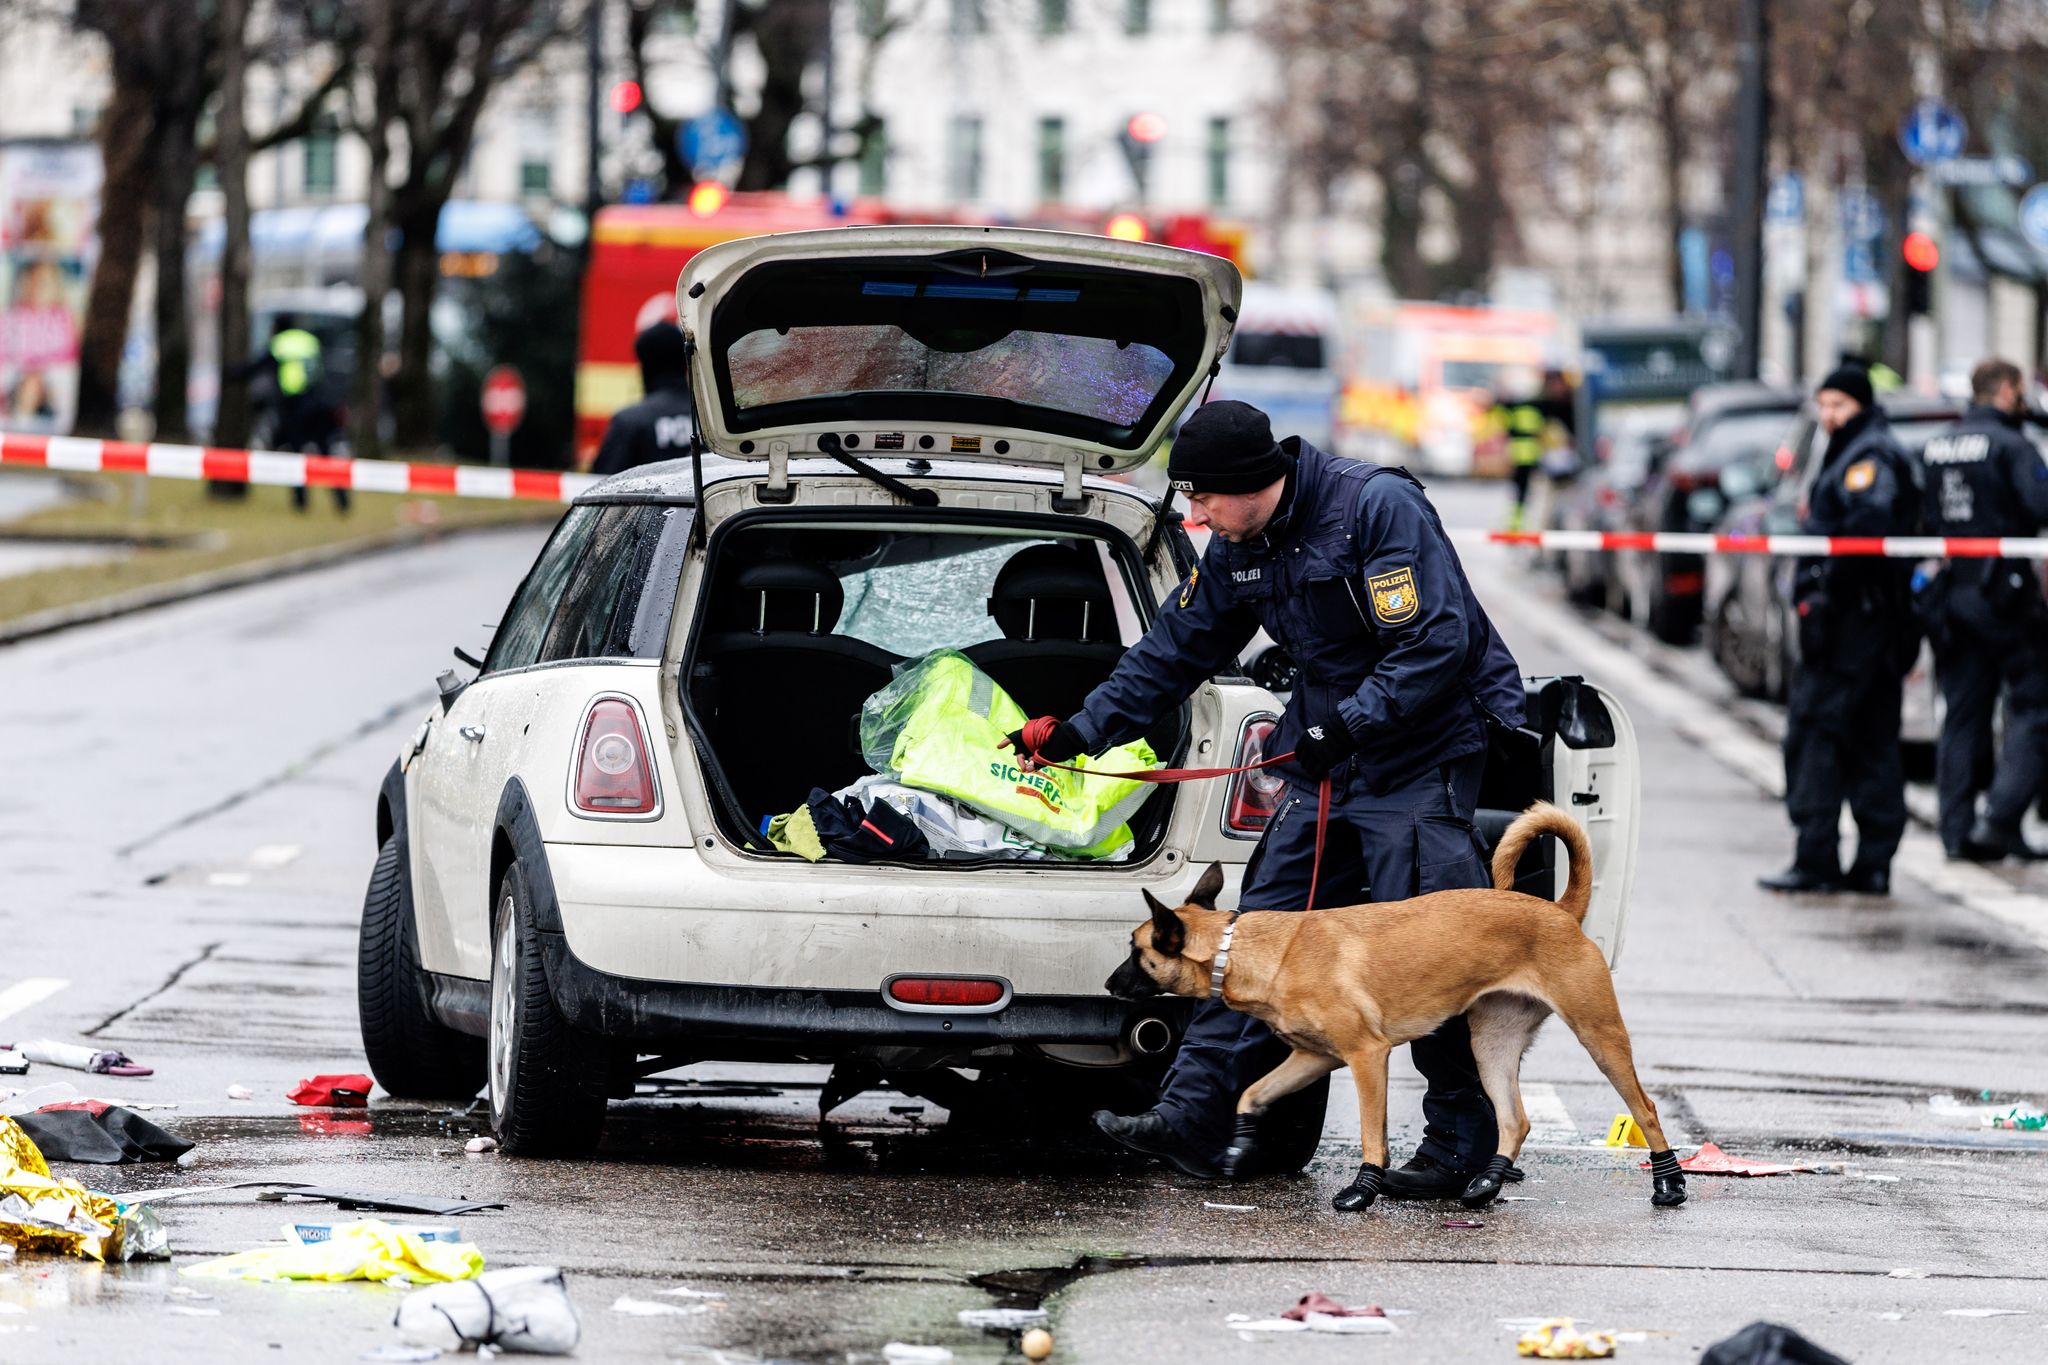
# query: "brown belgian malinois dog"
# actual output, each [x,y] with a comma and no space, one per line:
[1344,987]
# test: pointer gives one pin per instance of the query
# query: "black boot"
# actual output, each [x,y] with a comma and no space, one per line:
[1360,1193]
[1151,1134]
[2009,843]
[1667,1180]
[1486,1184]
[1796,879]
[1241,1157]
[1427,1178]
[1868,881]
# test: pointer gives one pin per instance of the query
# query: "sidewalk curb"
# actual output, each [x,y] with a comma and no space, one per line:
[42,623]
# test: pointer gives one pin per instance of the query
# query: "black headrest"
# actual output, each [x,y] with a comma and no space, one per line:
[1053,592]
[787,594]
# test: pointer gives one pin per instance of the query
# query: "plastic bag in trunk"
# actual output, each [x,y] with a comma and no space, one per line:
[938,727]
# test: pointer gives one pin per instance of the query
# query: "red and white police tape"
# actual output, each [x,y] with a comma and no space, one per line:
[1703,543]
[80,454]
[86,455]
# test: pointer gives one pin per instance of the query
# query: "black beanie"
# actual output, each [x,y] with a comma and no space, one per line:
[1225,447]
[661,353]
[1853,380]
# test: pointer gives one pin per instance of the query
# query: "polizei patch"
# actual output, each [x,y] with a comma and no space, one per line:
[1393,595]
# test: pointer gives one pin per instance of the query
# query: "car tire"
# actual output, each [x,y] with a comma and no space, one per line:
[547,1080]
[411,1053]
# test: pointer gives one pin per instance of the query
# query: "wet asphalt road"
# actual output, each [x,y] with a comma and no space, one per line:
[187,829]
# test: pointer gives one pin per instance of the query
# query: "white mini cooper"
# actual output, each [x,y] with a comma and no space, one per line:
[911,436]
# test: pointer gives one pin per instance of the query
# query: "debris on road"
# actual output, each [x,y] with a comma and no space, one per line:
[339,1092]
[101,1061]
[478,1145]
[1313,1304]
[1463,1223]
[1230,1208]
[2014,1117]
[371,1201]
[523,1308]
[1002,1319]
[1313,1322]
[12,1063]
[40,1213]
[1984,1312]
[401,1355]
[903,1353]
[1906,1274]
[99,1133]
[648,1308]
[241,1092]
[324,1232]
[1037,1344]
[1767,1343]
[683,1291]
[1558,1339]
[1711,1160]
[368,1250]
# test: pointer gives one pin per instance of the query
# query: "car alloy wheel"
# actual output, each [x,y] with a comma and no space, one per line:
[504,1023]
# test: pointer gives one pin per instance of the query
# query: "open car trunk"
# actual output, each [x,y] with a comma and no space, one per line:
[802,617]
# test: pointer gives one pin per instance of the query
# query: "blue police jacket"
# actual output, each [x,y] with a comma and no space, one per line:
[1358,581]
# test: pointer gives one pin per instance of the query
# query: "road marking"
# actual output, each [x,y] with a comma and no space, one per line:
[1549,1121]
[229,879]
[1730,742]
[27,994]
[275,855]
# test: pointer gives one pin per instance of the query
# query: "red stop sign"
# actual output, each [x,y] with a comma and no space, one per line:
[504,400]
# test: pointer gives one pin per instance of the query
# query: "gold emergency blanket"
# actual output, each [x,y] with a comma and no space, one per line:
[41,1213]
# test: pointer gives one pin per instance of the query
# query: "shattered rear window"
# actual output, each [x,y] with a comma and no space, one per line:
[1090,377]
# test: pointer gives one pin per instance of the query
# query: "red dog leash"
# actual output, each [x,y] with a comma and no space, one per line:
[1038,730]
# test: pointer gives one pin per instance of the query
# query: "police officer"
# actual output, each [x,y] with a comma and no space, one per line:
[1348,567]
[1529,434]
[1991,629]
[658,427]
[293,385]
[1857,638]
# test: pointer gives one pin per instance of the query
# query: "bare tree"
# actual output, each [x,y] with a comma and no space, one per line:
[433,65]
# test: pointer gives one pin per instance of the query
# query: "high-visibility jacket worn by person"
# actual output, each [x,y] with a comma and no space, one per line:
[937,727]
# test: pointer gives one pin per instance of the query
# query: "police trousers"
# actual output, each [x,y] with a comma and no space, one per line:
[1414,839]
[1842,743]
[1973,669]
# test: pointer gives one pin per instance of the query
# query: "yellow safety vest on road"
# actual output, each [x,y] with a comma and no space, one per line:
[938,725]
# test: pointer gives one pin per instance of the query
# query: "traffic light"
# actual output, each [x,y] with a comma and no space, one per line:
[1139,133]
[625,97]
[1922,255]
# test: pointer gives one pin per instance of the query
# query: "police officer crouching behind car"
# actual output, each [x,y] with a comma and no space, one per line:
[1989,621]
[1857,639]
[659,426]
[1349,569]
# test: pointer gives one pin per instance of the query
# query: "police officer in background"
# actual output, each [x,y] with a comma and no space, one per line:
[1857,639]
[659,426]
[1347,566]
[1990,622]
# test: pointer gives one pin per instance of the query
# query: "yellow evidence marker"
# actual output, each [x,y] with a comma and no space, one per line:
[1623,1132]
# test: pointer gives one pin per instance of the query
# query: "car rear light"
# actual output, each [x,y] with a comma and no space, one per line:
[947,992]
[613,775]
[1253,796]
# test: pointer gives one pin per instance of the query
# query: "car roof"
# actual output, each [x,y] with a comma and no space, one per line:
[1715,400]
[671,481]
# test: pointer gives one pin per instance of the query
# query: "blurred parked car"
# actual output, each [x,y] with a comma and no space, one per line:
[1725,423]
[1750,627]
[1598,498]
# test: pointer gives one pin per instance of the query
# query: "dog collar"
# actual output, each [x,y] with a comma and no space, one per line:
[1222,962]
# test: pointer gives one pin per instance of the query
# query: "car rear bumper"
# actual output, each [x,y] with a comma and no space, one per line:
[700,1016]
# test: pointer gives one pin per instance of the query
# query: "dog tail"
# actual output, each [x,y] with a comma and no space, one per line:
[1544,818]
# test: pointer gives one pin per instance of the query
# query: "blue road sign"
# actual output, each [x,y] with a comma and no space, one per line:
[2034,216]
[712,142]
[639,190]
[1932,132]
[1862,214]
[1787,201]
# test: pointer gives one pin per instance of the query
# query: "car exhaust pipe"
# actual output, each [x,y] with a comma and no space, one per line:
[1150,1036]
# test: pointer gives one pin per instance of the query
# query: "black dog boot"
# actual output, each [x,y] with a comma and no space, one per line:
[1669,1180]
[1360,1193]
[1486,1184]
[1240,1158]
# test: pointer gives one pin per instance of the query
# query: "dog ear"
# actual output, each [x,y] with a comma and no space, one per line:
[1169,935]
[1209,888]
